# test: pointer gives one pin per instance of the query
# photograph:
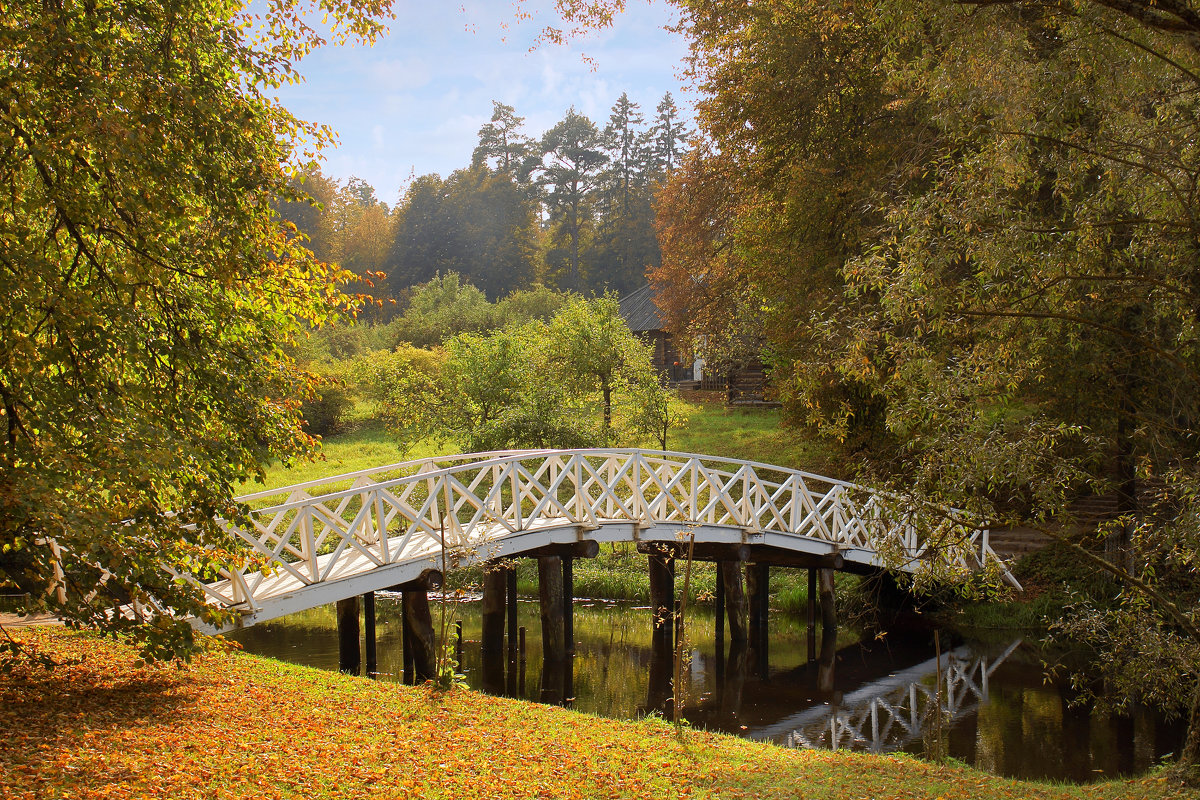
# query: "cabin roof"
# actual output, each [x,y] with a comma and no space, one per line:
[640,311]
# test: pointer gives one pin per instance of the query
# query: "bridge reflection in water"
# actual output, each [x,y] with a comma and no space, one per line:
[872,696]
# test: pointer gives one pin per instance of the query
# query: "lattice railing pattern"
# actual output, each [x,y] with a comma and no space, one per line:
[889,721]
[336,528]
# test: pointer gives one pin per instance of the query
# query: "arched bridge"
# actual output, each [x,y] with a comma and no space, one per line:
[384,527]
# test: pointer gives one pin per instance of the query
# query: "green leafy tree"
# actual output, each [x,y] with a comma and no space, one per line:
[405,382]
[149,289]
[525,305]
[497,230]
[312,192]
[439,309]
[581,380]
[425,237]
[592,348]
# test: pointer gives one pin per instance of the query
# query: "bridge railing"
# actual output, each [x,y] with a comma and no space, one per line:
[410,511]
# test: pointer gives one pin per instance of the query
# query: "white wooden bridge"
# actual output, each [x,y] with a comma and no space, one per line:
[350,534]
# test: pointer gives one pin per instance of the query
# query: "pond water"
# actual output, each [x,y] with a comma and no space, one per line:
[998,711]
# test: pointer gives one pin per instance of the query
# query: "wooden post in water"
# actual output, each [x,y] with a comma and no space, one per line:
[369,634]
[494,580]
[550,590]
[491,650]
[719,619]
[521,651]
[828,603]
[510,583]
[735,599]
[755,608]
[416,625]
[349,656]
[568,601]
[408,677]
[662,597]
[764,610]
[419,623]
[812,614]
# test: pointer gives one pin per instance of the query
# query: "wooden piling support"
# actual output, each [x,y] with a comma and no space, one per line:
[521,652]
[349,656]
[494,589]
[735,599]
[658,687]
[764,611]
[408,677]
[419,623]
[550,592]
[812,615]
[828,660]
[662,597]
[719,615]
[568,601]
[754,606]
[828,602]
[510,584]
[369,634]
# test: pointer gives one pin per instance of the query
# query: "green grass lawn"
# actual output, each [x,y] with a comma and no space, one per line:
[750,434]
[236,726]
[712,429]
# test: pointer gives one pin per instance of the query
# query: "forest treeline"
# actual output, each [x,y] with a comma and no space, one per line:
[571,209]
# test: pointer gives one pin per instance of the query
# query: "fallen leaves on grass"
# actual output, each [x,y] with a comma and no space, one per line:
[235,726]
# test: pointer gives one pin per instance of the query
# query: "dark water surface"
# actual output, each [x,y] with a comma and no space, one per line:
[879,695]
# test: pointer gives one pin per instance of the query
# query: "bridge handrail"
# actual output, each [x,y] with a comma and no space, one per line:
[473,461]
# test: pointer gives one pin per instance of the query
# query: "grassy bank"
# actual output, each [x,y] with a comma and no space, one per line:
[712,429]
[233,726]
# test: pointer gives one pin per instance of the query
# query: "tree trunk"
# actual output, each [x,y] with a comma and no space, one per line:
[607,390]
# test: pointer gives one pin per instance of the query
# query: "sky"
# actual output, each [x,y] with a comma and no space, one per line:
[413,104]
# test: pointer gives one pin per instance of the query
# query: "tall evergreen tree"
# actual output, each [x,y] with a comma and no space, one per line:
[667,139]
[625,244]
[623,141]
[573,160]
[502,144]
